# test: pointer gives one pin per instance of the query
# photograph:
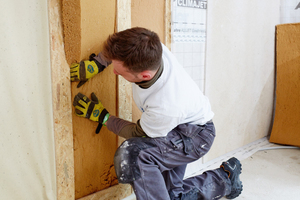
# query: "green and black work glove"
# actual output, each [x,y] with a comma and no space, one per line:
[85,70]
[91,109]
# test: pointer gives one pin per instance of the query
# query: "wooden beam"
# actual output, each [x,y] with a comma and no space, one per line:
[61,101]
[168,38]
[124,87]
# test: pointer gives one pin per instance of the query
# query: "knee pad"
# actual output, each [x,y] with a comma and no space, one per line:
[126,156]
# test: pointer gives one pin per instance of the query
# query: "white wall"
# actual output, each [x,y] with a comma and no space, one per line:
[240,70]
[238,75]
[27,161]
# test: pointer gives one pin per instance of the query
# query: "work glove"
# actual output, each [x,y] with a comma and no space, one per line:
[85,70]
[91,109]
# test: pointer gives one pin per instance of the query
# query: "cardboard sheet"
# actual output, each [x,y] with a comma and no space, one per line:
[286,127]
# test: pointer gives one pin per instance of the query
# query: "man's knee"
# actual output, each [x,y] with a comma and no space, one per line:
[126,158]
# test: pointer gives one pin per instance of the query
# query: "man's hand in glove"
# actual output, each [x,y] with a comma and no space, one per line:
[85,70]
[91,109]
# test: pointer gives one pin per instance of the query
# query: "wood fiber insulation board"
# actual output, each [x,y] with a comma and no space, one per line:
[87,25]
[154,21]
[286,127]
[119,191]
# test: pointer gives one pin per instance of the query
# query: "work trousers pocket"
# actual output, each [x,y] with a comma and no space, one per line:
[171,146]
[171,142]
[204,139]
[193,145]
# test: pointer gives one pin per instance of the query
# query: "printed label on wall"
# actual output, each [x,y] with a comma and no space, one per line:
[202,4]
[189,21]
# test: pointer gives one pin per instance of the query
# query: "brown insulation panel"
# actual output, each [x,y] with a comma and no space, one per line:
[87,24]
[149,14]
[286,128]
[153,20]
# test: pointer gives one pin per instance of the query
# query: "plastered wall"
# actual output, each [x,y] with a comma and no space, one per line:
[240,70]
[27,158]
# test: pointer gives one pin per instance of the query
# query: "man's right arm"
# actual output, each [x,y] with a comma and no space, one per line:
[87,69]
[101,59]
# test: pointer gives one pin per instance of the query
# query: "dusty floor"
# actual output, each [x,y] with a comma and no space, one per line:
[272,172]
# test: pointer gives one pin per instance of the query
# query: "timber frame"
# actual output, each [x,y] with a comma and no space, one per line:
[62,103]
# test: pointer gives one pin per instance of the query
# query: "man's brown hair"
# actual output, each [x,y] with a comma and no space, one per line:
[138,48]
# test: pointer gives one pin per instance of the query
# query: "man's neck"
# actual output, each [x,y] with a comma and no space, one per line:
[147,84]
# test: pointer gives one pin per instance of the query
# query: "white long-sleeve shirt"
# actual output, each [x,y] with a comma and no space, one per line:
[172,100]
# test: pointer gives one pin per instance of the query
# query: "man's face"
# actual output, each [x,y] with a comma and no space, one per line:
[119,69]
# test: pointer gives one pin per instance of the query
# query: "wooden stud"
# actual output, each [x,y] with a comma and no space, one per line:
[61,98]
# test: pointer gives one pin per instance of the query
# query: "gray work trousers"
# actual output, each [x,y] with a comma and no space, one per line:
[155,167]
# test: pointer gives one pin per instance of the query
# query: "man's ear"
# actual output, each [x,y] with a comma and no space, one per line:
[146,75]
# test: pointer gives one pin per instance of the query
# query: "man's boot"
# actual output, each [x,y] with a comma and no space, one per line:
[234,168]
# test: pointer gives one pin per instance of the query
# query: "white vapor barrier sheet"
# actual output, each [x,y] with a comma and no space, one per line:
[27,158]
[289,11]
[188,29]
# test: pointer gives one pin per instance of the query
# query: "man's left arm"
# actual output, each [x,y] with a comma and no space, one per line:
[124,128]
[95,111]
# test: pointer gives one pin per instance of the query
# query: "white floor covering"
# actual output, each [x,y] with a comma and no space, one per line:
[271,175]
[269,171]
